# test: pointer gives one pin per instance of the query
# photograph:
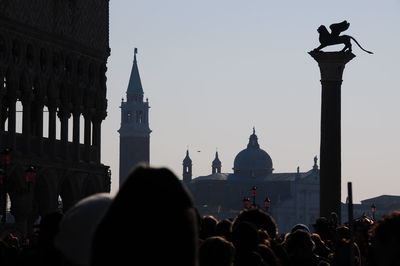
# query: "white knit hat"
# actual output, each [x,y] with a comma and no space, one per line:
[74,240]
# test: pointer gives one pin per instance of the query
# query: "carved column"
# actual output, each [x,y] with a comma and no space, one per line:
[88,133]
[26,121]
[75,134]
[37,110]
[12,84]
[331,66]
[52,107]
[11,122]
[64,115]
[97,120]
[3,108]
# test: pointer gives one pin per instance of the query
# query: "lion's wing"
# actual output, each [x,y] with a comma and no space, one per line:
[337,28]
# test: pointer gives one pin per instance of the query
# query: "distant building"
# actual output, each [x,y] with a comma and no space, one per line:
[374,207]
[294,197]
[134,132]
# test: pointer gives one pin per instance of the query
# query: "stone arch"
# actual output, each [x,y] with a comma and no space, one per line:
[90,185]
[72,188]
[47,191]
[21,194]
[67,193]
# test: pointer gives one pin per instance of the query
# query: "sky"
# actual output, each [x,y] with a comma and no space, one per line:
[214,69]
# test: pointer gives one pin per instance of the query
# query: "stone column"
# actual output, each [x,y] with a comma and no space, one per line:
[75,134]
[52,107]
[26,122]
[88,134]
[12,123]
[64,115]
[38,128]
[331,65]
[3,109]
[97,120]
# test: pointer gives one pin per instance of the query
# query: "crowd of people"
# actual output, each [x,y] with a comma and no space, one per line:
[152,221]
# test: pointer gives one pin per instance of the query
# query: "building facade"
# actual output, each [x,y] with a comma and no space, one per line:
[134,131]
[53,57]
[290,197]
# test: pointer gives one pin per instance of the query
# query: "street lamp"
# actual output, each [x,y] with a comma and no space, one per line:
[267,204]
[253,193]
[5,161]
[373,210]
[246,203]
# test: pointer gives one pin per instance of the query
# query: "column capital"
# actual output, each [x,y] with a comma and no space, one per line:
[99,115]
[77,110]
[52,105]
[88,113]
[64,113]
[331,64]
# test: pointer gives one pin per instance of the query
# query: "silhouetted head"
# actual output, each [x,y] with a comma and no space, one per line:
[260,219]
[385,237]
[151,220]
[343,232]
[268,255]
[245,236]
[74,240]
[299,240]
[324,228]
[344,254]
[224,228]
[216,251]
[300,226]
[208,226]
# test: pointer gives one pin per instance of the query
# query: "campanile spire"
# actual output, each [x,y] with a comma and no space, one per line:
[134,131]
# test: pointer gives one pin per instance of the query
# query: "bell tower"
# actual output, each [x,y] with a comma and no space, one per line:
[134,134]
[187,168]
[216,164]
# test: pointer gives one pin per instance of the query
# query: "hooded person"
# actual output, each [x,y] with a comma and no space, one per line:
[77,226]
[151,221]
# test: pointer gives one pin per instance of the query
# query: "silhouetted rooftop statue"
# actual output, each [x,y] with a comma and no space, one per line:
[326,38]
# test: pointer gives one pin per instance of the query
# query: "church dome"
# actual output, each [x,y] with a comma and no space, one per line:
[252,161]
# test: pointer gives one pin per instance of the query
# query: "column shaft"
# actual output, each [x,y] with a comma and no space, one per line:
[87,137]
[64,115]
[330,148]
[76,136]
[52,129]
[26,125]
[11,123]
[39,128]
[331,66]
[97,140]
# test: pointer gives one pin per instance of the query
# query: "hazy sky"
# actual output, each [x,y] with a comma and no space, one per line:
[213,69]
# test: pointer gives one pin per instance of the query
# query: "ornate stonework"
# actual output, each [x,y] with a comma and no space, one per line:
[53,56]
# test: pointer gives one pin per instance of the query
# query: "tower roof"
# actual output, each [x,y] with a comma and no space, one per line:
[135,84]
[187,159]
[216,161]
